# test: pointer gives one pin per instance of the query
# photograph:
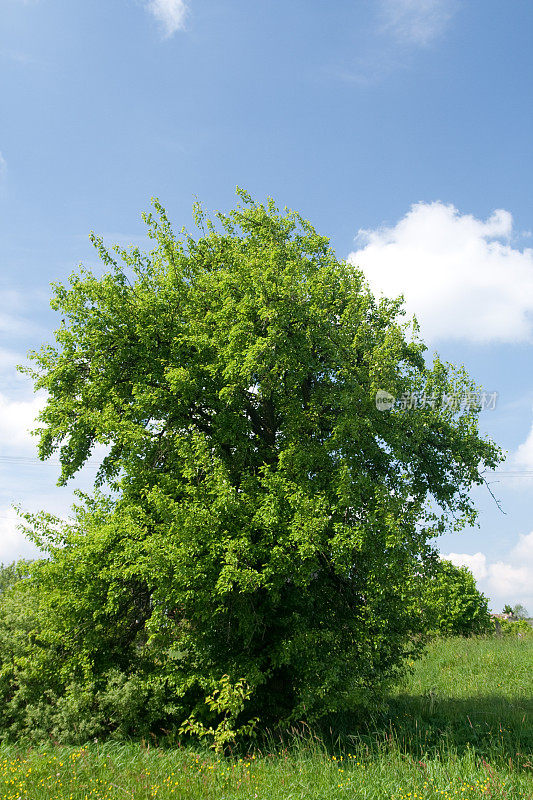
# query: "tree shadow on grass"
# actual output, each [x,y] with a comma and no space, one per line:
[491,727]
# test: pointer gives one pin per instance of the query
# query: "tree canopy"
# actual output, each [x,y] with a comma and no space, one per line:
[261,520]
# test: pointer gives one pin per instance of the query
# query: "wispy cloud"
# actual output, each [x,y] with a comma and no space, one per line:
[16,310]
[397,30]
[3,166]
[171,14]
[416,22]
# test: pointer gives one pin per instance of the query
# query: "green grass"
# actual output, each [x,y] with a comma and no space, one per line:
[472,694]
[460,726]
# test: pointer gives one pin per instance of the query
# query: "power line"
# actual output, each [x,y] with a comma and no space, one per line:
[508,473]
[33,461]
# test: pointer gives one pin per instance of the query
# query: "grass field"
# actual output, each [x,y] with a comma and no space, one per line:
[461,726]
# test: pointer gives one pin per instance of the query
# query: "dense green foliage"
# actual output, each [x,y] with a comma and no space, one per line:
[452,603]
[264,520]
[460,725]
[11,573]
[515,627]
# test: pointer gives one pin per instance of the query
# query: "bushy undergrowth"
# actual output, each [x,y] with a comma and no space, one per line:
[52,689]
[459,726]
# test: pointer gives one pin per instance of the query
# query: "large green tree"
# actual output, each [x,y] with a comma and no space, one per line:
[265,519]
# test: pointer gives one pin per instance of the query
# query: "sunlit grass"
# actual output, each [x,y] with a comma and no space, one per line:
[118,771]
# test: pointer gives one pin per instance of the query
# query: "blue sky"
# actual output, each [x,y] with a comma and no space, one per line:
[402,128]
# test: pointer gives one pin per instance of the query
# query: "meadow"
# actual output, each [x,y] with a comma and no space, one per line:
[459,726]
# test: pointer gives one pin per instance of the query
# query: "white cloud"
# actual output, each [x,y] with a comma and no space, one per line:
[24,480]
[523,551]
[171,14]
[3,166]
[460,275]
[13,544]
[477,563]
[523,457]
[509,581]
[519,465]
[416,22]
[17,418]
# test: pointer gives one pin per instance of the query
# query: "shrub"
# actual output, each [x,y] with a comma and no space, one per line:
[516,628]
[452,603]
